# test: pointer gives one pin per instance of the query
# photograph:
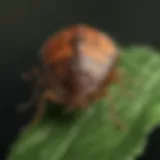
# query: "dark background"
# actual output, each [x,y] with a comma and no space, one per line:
[24,24]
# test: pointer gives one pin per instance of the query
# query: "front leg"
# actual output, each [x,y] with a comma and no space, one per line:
[48,95]
[39,85]
[29,76]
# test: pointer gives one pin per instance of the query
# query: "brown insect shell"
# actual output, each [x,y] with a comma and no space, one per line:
[78,60]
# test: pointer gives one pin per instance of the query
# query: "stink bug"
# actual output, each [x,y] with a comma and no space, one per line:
[78,65]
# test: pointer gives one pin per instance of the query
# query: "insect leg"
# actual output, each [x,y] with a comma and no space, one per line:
[39,86]
[118,74]
[31,75]
[48,95]
[24,106]
[26,76]
[114,117]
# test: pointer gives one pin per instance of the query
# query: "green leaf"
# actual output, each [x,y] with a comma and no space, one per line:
[91,134]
